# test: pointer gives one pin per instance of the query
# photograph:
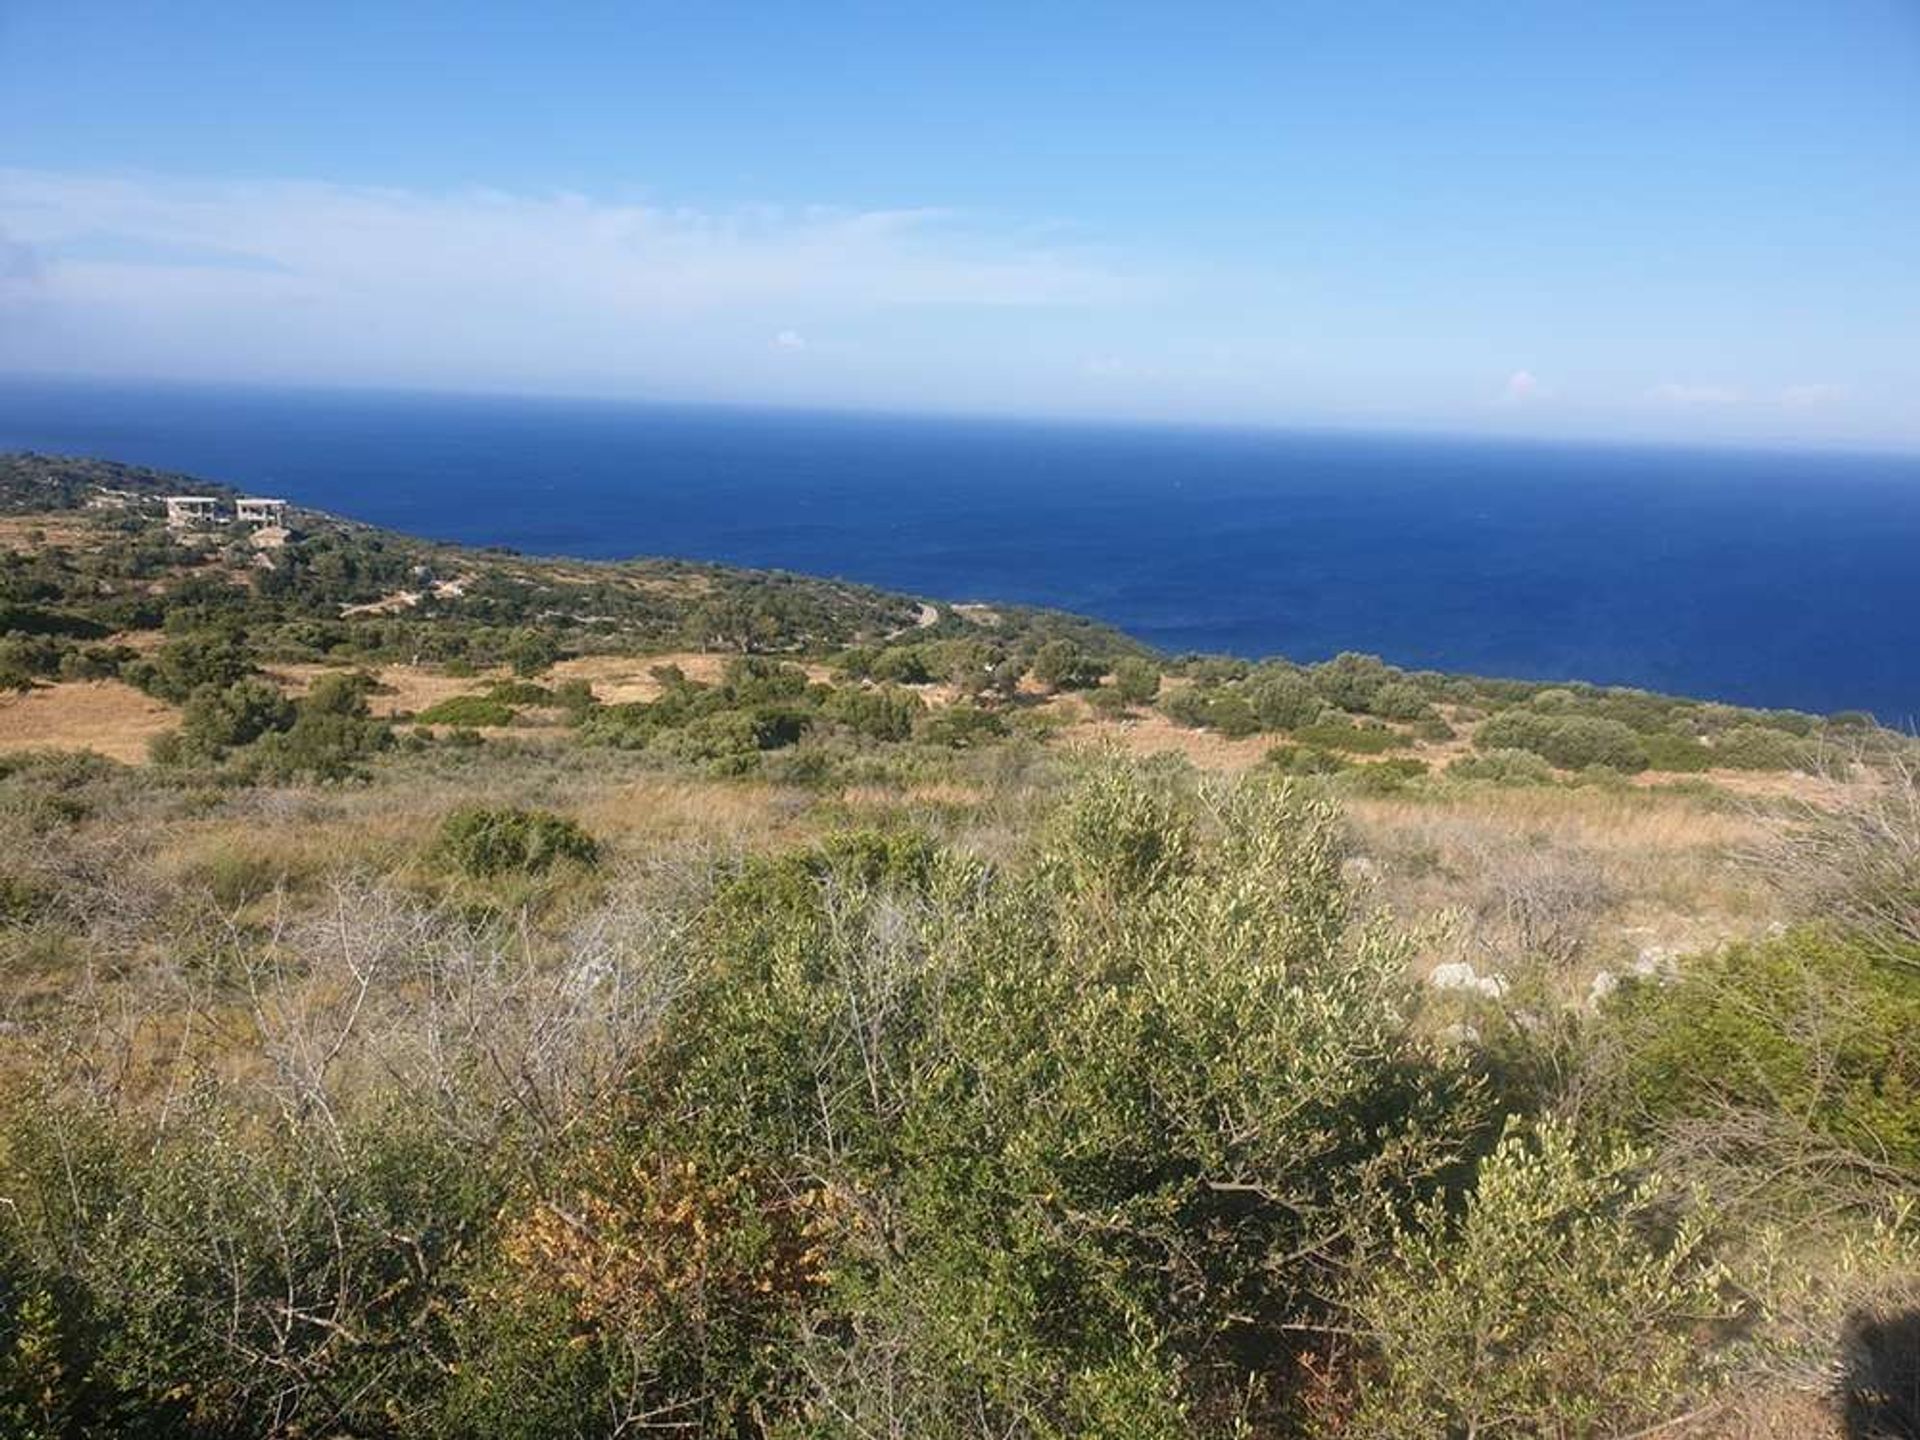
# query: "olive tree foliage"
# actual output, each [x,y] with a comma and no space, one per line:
[1283,699]
[1074,1148]
[1063,665]
[1562,1301]
[1136,680]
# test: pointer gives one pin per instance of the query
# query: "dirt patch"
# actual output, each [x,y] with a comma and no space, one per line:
[387,605]
[1816,790]
[105,716]
[143,641]
[403,688]
[1153,734]
[32,533]
[625,679]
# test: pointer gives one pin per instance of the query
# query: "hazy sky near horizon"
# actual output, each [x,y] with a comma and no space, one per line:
[1693,221]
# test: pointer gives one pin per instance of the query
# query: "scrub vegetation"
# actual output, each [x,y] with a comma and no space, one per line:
[529,998]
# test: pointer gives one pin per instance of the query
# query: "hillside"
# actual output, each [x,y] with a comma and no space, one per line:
[451,992]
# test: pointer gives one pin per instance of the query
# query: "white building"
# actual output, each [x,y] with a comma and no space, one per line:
[192,512]
[255,510]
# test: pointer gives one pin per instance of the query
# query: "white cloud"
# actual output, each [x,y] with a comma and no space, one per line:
[1810,397]
[1697,396]
[304,278]
[1522,386]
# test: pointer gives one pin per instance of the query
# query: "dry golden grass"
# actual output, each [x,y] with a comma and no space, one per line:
[142,641]
[652,810]
[625,679]
[104,716]
[403,688]
[1611,875]
[30,533]
[945,795]
[1151,733]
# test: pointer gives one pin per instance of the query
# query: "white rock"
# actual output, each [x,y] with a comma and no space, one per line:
[1459,975]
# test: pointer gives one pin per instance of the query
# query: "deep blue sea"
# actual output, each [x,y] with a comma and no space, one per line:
[1772,579]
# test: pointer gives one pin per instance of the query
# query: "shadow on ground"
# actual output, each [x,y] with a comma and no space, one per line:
[1883,1376]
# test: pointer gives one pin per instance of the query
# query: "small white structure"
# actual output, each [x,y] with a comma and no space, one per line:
[257,510]
[192,512]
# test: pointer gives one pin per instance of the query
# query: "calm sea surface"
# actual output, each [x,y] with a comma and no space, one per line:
[1773,579]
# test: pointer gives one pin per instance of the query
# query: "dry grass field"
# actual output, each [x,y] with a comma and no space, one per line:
[29,533]
[103,716]
[626,679]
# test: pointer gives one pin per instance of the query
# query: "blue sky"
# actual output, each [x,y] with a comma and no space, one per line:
[1689,221]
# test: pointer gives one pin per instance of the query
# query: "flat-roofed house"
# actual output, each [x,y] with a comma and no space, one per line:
[257,510]
[192,512]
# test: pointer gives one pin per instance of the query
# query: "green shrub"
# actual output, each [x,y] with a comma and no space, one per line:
[1081,1140]
[331,733]
[1681,754]
[531,652]
[883,713]
[147,1274]
[1813,1033]
[1136,681]
[960,726]
[1756,747]
[471,711]
[1384,777]
[1204,670]
[1283,699]
[1398,700]
[1569,742]
[1211,708]
[1563,1301]
[1503,767]
[1305,760]
[732,735]
[21,899]
[1350,681]
[481,841]
[216,720]
[576,697]
[216,658]
[1063,665]
[1358,739]
[900,665]
[520,692]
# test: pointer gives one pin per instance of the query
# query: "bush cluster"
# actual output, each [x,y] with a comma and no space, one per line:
[1569,742]
[482,840]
